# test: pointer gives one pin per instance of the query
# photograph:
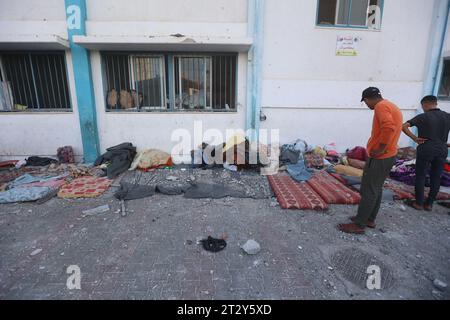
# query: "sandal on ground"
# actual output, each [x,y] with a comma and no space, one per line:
[370,224]
[413,204]
[352,228]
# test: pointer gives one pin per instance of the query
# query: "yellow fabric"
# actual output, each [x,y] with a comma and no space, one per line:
[348,171]
[150,158]
[234,140]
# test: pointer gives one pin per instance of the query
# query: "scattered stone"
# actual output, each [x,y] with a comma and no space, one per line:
[171,178]
[71,226]
[403,208]
[251,247]
[97,210]
[436,293]
[35,252]
[300,247]
[439,284]
[330,268]
[273,204]
[61,254]
[189,242]
[382,230]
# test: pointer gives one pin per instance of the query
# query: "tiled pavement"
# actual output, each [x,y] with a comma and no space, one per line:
[152,252]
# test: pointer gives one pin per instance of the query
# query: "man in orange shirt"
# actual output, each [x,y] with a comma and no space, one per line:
[382,148]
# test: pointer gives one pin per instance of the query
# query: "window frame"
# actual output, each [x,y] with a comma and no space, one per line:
[169,78]
[179,93]
[441,78]
[163,89]
[63,53]
[348,26]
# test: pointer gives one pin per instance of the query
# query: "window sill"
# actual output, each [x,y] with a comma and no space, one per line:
[324,27]
[172,112]
[37,112]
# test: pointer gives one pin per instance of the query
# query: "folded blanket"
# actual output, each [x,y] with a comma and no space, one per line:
[348,171]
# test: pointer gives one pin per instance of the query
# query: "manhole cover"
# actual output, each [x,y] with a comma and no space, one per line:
[353,265]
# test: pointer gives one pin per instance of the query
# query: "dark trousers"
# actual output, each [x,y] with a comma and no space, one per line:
[375,174]
[436,165]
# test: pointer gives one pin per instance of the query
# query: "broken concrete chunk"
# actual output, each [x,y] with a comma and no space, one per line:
[96,210]
[251,247]
[35,252]
[439,284]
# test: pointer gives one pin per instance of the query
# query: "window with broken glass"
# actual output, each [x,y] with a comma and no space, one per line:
[33,81]
[170,82]
[350,13]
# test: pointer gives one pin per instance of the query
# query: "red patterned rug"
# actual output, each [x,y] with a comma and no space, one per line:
[331,190]
[405,192]
[85,187]
[294,195]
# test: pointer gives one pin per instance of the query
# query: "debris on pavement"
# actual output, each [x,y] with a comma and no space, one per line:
[213,245]
[439,284]
[251,247]
[97,210]
[35,252]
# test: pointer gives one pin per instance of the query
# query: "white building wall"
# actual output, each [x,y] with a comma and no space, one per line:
[220,18]
[38,133]
[310,93]
[154,129]
[41,133]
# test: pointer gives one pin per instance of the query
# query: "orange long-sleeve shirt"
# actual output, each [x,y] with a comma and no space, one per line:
[386,128]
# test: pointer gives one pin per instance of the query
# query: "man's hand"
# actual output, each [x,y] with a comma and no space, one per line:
[378,152]
[420,140]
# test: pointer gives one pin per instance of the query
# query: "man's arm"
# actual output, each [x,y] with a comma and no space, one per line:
[413,137]
[387,129]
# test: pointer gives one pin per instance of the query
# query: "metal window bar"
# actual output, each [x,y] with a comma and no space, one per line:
[36,80]
[140,79]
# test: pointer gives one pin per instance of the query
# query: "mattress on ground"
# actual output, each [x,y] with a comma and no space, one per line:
[294,195]
[331,190]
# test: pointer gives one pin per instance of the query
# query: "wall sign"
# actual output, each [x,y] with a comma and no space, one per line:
[347,46]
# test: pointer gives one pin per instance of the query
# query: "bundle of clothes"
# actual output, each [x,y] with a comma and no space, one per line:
[300,159]
[237,154]
[404,169]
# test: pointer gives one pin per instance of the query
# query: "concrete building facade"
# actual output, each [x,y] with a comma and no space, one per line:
[95,73]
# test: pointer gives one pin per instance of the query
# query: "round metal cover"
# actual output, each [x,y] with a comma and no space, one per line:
[353,265]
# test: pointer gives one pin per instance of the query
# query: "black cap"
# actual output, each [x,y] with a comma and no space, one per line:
[371,92]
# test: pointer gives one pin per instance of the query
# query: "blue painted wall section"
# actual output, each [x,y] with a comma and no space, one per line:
[255,30]
[76,17]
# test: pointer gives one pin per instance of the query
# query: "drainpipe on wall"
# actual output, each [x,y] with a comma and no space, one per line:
[76,18]
[440,21]
[438,34]
[255,29]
